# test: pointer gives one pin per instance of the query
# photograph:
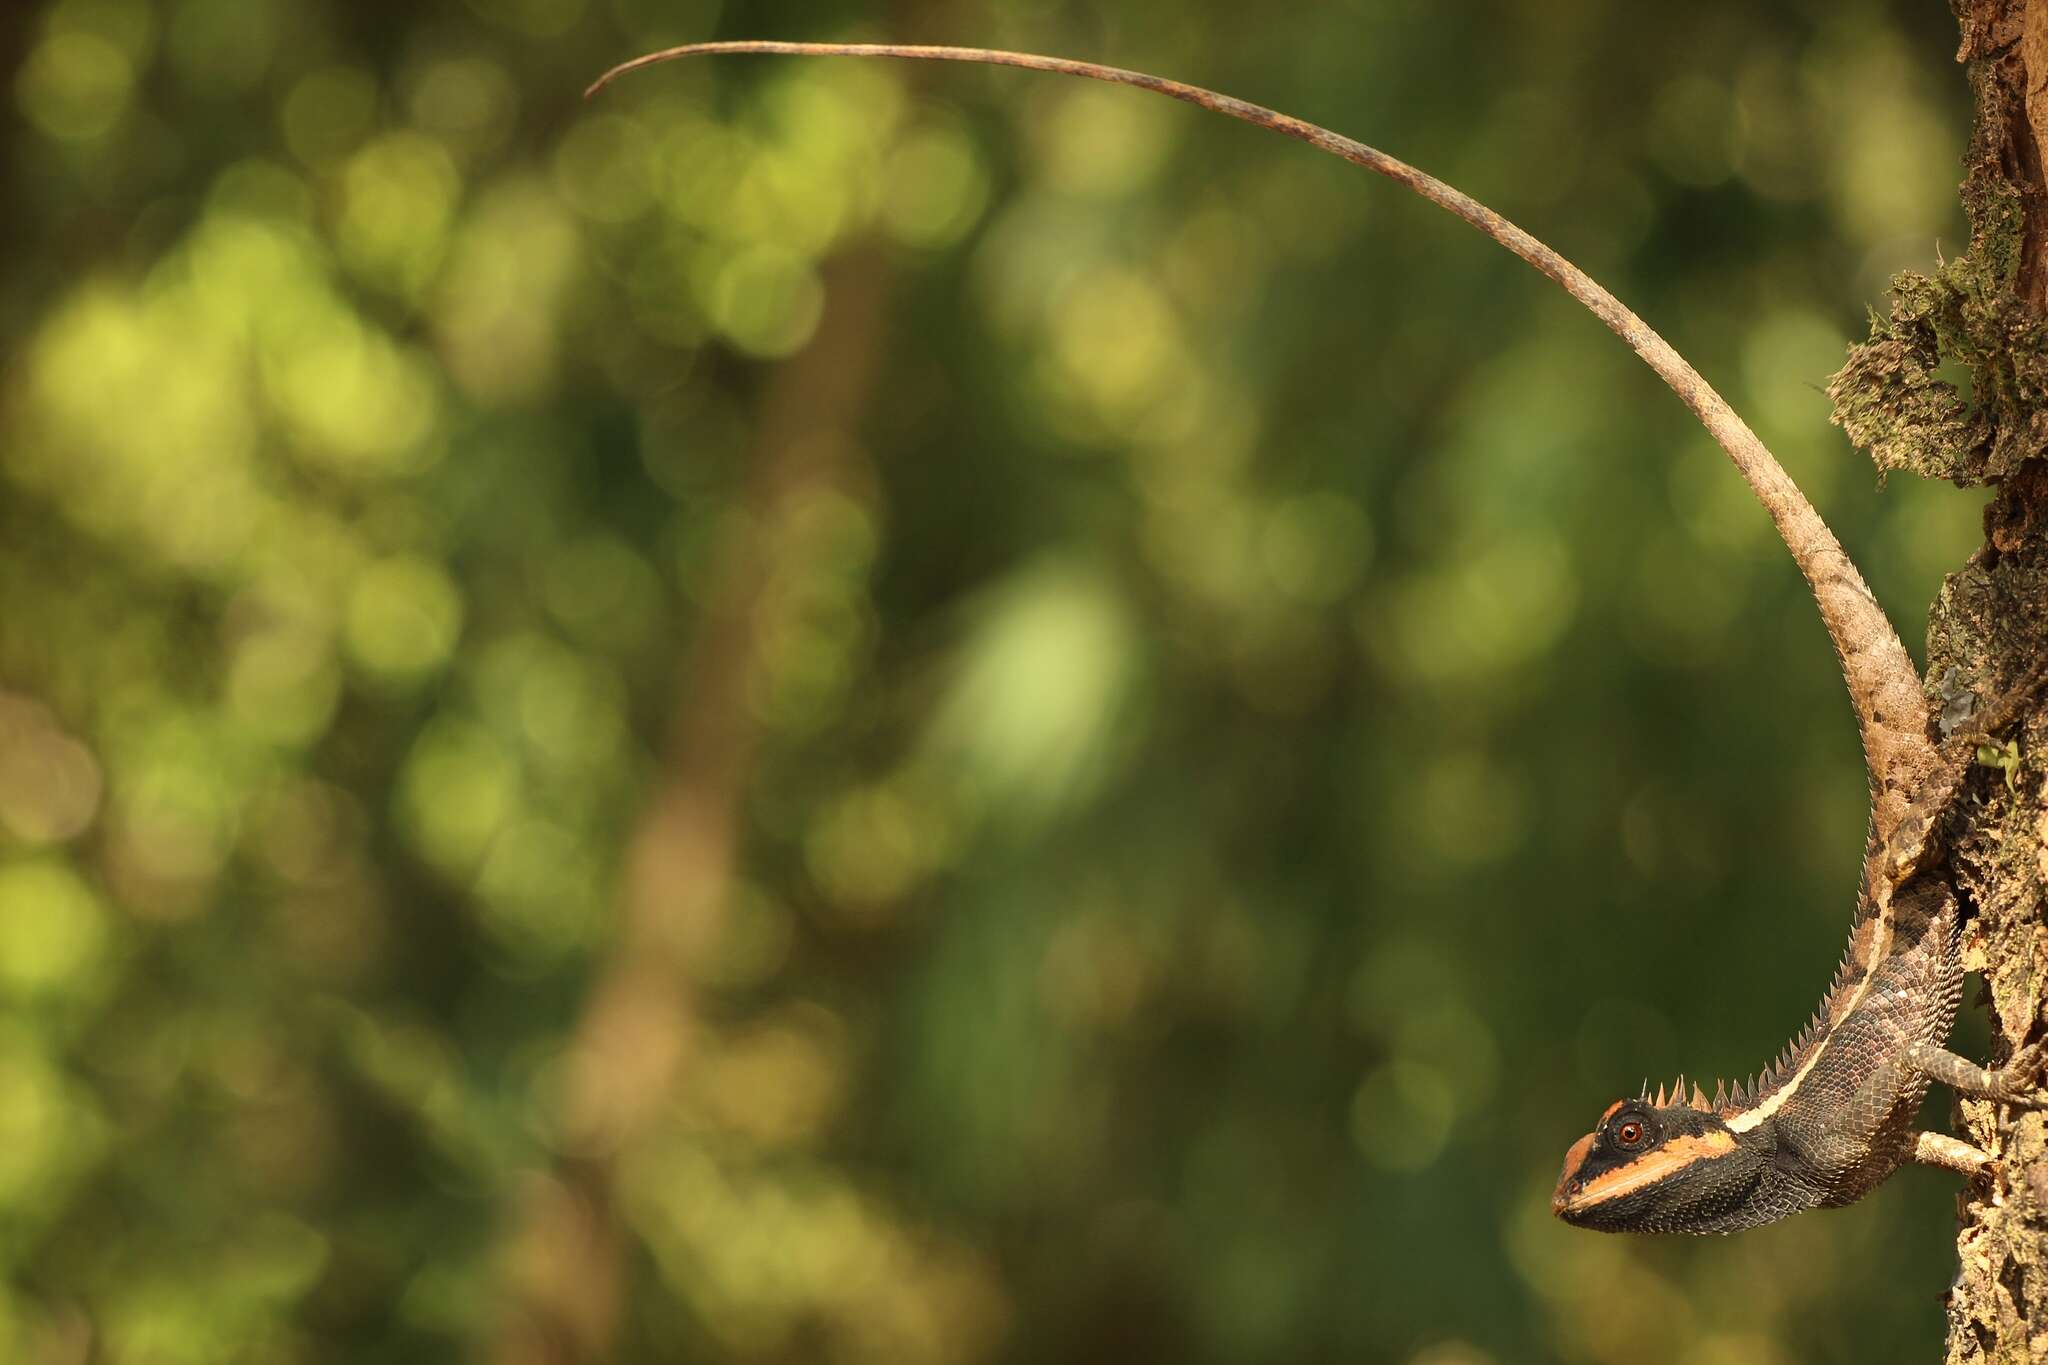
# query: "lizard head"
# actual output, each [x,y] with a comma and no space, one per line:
[1653,1167]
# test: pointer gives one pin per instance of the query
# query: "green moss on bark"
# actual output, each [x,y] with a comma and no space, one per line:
[1970,315]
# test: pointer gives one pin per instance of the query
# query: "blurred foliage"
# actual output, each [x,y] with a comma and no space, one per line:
[1263,722]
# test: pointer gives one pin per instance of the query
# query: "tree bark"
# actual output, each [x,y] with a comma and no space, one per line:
[1984,312]
[1989,624]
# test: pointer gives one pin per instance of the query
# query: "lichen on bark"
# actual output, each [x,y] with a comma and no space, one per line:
[1982,315]
[1987,623]
[1979,314]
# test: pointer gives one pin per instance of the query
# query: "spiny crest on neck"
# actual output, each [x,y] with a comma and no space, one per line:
[1725,1100]
[1730,1097]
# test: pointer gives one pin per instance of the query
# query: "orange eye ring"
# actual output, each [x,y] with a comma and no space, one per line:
[1629,1132]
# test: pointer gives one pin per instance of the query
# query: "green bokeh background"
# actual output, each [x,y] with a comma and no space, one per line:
[1239,722]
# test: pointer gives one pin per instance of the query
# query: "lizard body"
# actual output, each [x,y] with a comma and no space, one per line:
[1832,1118]
[1824,1125]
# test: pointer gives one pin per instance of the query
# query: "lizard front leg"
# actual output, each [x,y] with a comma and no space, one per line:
[1949,1153]
[2015,1082]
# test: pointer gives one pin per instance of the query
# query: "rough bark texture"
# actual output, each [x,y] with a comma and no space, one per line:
[1984,312]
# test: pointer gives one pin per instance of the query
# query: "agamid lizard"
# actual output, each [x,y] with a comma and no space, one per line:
[1833,1116]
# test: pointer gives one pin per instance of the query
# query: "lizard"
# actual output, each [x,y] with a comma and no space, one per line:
[1833,1117]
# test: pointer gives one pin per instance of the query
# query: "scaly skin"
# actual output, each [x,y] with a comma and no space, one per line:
[1833,1118]
[1824,1126]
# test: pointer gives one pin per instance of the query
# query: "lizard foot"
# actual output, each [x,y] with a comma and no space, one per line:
[2020,1078]
[2004,709]
[2018,1082]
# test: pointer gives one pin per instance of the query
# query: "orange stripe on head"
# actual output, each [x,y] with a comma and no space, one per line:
[1608,1112]
[1649,1168]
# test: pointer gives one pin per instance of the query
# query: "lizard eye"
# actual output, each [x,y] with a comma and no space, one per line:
[1629,1133]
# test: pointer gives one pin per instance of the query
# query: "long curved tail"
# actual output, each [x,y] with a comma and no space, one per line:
[1883,685]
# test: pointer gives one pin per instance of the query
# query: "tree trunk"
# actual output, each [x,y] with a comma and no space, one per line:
[1983,313]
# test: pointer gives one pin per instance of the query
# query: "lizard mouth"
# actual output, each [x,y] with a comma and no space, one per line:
[1569,1182]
